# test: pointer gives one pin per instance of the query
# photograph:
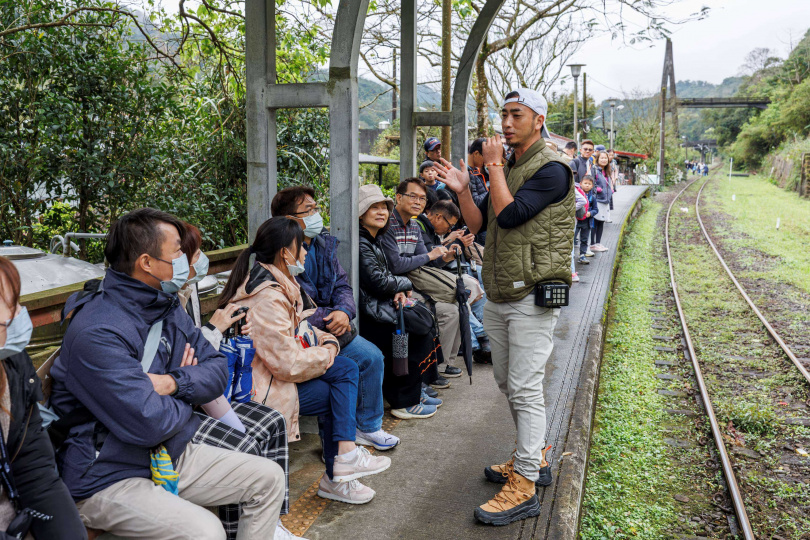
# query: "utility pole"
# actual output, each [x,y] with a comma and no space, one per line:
[584,102]
[576,69]
[394,92]
[446,96]
[667,77]
[612,133]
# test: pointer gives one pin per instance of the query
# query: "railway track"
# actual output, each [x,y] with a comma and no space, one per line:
[731,478]
[774,334]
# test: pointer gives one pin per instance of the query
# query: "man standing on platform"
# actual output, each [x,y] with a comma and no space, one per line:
[529,216]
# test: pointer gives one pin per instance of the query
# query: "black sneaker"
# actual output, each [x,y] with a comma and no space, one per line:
[440,383]
[544,479]
[429,391]
[482,357]
[451,371]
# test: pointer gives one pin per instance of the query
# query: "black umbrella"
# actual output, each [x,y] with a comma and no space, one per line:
[462,294]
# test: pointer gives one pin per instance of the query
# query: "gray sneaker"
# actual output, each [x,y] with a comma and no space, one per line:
[347,492]
[363,464]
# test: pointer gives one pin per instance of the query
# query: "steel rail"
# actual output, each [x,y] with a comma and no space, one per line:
[731,479]
[771,330]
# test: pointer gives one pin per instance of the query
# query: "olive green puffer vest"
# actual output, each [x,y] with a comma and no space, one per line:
[540,249]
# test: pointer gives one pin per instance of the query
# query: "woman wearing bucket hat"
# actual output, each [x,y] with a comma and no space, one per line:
[381,295]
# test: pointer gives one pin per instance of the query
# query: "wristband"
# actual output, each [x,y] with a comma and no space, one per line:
[494,164]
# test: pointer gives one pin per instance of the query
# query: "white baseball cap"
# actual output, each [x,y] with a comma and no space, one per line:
[533,100]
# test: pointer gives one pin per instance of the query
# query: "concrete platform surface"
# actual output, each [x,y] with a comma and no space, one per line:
[436,479]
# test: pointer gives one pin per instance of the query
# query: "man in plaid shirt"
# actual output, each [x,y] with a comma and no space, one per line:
[406,251]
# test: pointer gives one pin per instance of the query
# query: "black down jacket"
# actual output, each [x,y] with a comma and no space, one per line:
[377,284]
[33,464]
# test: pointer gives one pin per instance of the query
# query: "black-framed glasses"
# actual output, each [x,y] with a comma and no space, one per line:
[307,213]
[415,197]
[451,225]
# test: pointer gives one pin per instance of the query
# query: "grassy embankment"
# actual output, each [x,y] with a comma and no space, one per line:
[755,208]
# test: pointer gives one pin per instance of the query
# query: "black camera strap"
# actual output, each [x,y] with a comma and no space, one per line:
[5,471]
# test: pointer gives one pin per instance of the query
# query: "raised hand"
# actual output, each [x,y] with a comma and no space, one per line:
[456,179]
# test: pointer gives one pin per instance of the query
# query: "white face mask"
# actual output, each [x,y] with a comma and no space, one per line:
[180,271]
[313,225]
[295,269]
[18,334]
[201,269]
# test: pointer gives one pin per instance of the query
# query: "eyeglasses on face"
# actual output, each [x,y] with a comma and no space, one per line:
[587,150]
[307,213]
[415,197]
[451,225]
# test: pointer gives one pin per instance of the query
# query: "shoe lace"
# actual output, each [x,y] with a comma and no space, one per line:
[507,497]
[364,456]
[347,487]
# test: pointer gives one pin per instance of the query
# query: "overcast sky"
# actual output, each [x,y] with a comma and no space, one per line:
[709,50]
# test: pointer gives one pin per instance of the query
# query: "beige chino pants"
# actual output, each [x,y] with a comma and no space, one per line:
[521,336]
[449,333]
[137,508]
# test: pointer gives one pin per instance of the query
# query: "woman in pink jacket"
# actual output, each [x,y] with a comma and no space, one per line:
[297,369]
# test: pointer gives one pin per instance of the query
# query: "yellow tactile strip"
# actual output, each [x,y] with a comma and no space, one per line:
[306,509]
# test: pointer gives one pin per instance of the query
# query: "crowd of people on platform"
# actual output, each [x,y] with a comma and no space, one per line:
[136,419]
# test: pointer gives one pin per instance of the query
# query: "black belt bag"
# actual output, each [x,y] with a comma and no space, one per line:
[551,294]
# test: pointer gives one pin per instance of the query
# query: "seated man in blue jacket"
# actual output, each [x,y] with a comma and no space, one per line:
[129,400]
[325,281]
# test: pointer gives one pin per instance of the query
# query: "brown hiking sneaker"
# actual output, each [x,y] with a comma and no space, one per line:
[499,473]
[517,500]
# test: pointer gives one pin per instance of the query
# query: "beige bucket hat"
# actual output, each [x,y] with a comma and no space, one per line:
[372,194]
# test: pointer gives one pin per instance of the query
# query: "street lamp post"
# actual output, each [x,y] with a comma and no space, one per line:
[576,69]
[612,133]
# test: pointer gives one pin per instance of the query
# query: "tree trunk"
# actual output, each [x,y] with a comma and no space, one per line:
[481,90]
[446,37]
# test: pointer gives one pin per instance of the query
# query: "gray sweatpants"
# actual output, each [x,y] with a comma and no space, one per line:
[521,336]
[137,508]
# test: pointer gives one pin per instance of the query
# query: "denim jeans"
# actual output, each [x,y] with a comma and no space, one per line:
[370,361]
[332,397]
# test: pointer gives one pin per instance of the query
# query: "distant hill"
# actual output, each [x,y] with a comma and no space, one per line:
[703,89]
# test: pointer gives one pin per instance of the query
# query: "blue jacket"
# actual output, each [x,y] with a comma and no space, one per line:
[331,291]
[593,208]
[99,368]
[601,182]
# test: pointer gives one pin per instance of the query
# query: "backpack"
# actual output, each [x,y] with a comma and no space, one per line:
[439,284]
[582,212]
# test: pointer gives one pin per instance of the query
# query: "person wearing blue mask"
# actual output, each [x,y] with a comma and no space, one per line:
[299,369]
[247,427]
[130,397]
[33,482]
[327,283]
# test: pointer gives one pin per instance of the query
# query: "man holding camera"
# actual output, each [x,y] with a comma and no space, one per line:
[528,215]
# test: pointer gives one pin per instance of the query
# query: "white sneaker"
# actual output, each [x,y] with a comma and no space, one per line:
[348,492]
[380,439]
[589,253]
[282,533]
[363,464]
[574,277]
